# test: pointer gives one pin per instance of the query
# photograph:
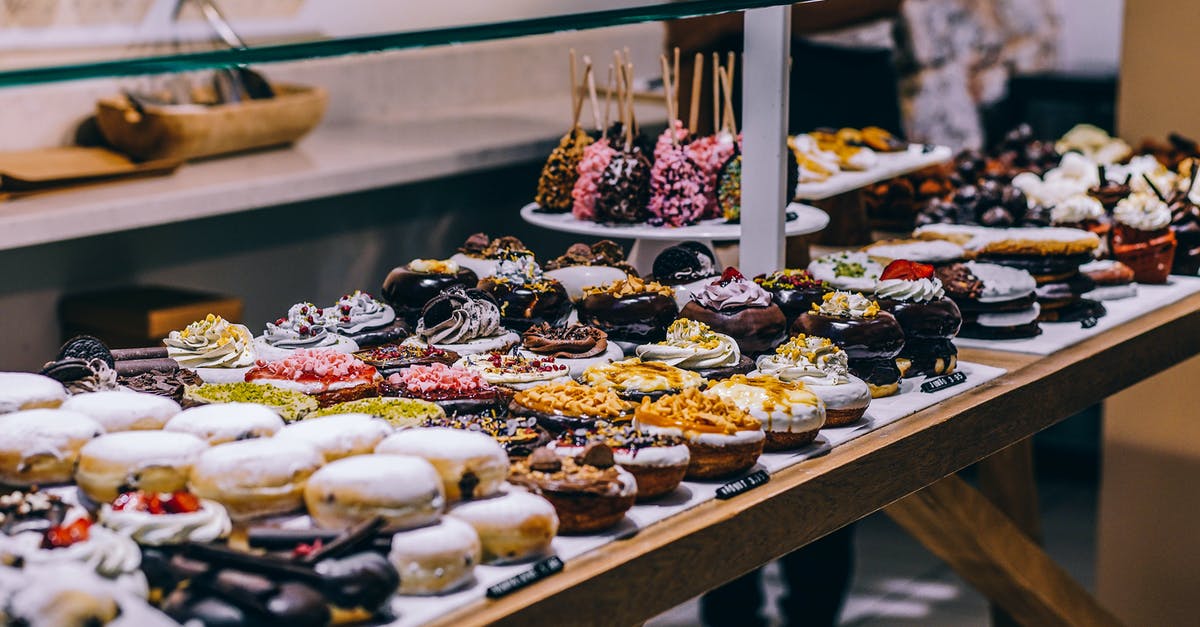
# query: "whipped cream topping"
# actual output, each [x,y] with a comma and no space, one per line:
[807,358]
[1144,212]
[735,293]
[847,271]
[433,266]
[211,522]
[110,554]
[520,269]
[1141,167]
[1076,209]
[692,345]
[211,343]
[471,318]
[847,305]
[358,312]
[304,327]
[911,290]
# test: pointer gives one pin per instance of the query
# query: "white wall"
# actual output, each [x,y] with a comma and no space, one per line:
[1091,34]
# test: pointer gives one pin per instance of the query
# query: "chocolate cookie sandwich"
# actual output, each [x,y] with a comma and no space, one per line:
[464,321]
[795,291]
[304,326]
[525,295]
[871,337]
[583,265]
[723,440]
[790,413]
[692,345]
[481,254]
[407,288]
[516,372]
[850,271]
[631,312]
[685,268]
[590,492]
[519,435]
[914,295]
[576,346]
[658,462]
[824,368]
[391,358]
[564,406]
[1113,279]
[456,390]
[634,379]
[365,320]
[996,302]
[741,309]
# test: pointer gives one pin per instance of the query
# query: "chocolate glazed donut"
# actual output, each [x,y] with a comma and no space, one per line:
[407,291]
[637,318]
[871,344]
[757,330]
[928,328]
[795,301]
[522,307]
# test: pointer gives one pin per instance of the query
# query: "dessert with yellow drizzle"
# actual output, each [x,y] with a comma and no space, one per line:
[790,413]
[693,345]
[633,378]
[723,439]
[823,368]
[871,337]
[564,406]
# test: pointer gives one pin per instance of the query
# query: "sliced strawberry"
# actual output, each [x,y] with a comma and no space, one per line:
[907,270]
[130,502]
[181,503]
[63,536]
[154,505]
[731,274]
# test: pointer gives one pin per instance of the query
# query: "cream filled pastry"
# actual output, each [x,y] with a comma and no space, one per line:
[722,438]
[253,478]
[364,320]
[123,410]
[472,465]
[512,526]
[633,378]
[790,413]
[41,446]
[405,491]
[216,349]
[166,518]
[741,309]
[465,321]
[78,541]
[226,422]
[329,376]
[823,368]
[847,271]
[436,559]
[25,390]
[305,326]
[693,345]
[515,371]
[157,461]
[339,435]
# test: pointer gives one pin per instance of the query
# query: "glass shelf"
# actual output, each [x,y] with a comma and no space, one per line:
[322,46]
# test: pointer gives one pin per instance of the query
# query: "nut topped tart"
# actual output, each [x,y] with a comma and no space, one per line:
[519,435]
[516,372]
[847,271]
[219,351]
[575,346]
[291,405]
[795,291]
[526,296]
[391,358]
[590,492]
[365,320]
[166,518]
[870,336]
[455,389]
[329,376]
[632,311]
[658,462]
[723,439]
[304,326]
[407,288]
[692,345]
[790,413]
[465,321]
[481,254]
[741,309]
[912,293]
[823,368]
[633,378]
[399,412]
[570,405]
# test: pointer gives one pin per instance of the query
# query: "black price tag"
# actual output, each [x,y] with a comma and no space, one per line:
[941,383]
[1088,322]
[540,571]
[749,482]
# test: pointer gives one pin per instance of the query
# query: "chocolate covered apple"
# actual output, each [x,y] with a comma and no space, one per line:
[741,309]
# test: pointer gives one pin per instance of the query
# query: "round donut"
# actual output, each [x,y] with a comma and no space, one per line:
[124,410]
[25,390]
[435,559]
[226,422]
[254,478]
[512,526]
[154,461]
[406,491]
[41,446]
[339,435]
[472,465]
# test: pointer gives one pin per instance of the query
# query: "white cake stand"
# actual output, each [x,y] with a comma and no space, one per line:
[651,240]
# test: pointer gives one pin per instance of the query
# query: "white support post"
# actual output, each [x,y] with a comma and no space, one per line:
[764,68]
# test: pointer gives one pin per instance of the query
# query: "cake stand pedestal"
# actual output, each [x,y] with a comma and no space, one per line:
[649,241]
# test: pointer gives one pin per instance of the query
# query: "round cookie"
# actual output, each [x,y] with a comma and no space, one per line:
[405,491]
[154,461]
[435,559]
[25,390]
[512,526]
[256,477]
[226,422]
[472,465]
[123,410]
[339,435]
[41,446]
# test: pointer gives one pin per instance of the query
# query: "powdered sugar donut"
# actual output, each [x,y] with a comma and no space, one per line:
[339,435]
[25,390]
[435,559]
[123,410]
[226,422]
[406,491]
[154,461]
[256,477]
[41,446]
[512,526]
[472,465]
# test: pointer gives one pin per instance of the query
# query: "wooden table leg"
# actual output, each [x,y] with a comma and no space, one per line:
[963,528]
[1007,480]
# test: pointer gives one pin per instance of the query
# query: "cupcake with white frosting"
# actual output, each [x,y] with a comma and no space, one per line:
[1142,237]
[218,350]
[693,345]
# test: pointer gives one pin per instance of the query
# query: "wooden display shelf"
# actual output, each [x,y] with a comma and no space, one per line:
[668,563]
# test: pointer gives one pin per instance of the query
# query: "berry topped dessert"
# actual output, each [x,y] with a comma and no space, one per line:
[329,376]
[362,318]
[457,390]
[741,309]
[305,326]
[390,358]
[407,288]
[870,336]
[515,371]
[795,291]
[575,346]
[913,294]
[525,295]
[158,518]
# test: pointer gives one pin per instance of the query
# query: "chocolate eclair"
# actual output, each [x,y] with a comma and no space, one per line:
[407,288]
[526,296]
[871,337]
[741,309]
[631,311]
[590,492]
[795,291]
[914,295]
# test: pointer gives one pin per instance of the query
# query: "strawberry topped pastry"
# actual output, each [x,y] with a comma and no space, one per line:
[166,518]
[457,390]
[327,375]
[740,308]
[516,372]
[914,295]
